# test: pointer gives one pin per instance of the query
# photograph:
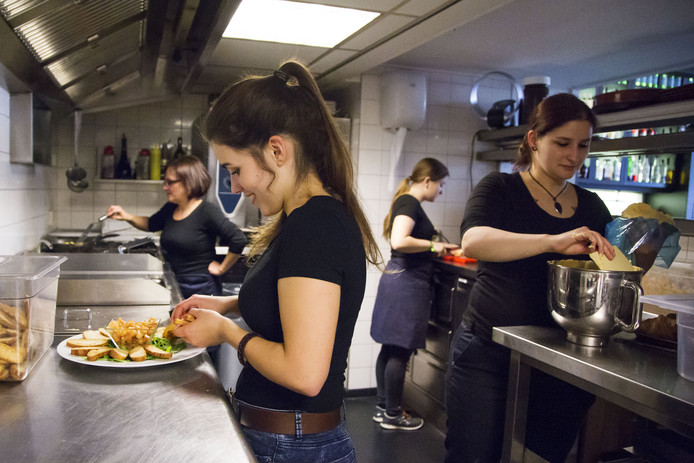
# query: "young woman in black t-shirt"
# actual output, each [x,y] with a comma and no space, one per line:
[303,293]
[514,224]
[403,301]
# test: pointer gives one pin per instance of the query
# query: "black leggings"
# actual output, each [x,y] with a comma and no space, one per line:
[390,377]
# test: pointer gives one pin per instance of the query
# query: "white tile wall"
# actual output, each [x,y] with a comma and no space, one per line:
[446,135]
[35,198]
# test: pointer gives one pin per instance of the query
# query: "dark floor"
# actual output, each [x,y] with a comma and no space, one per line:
[375,444]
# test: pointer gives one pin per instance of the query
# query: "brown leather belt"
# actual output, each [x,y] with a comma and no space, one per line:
[276,422]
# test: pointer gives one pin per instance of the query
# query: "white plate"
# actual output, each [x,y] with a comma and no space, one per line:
[185,354]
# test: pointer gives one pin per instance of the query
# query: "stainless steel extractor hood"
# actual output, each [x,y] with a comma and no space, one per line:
[97,55]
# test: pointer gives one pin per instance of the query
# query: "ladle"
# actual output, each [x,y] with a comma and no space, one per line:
[76,174]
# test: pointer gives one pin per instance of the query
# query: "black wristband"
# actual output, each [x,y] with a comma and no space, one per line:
[242,346]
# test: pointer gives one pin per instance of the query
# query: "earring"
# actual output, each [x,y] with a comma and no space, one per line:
[534,148]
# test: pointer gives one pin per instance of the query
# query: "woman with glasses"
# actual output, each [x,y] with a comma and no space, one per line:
[190,227]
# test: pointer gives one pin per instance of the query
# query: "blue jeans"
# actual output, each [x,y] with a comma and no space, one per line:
[334,446]
[476,389]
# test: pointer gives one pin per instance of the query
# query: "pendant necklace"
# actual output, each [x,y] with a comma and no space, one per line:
[557,206]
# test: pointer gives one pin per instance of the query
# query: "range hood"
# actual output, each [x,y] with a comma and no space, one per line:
[96,55]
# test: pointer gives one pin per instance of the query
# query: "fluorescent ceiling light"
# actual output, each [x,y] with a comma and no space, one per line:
[295,22]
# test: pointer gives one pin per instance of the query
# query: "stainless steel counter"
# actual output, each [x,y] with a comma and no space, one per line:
[69,412]
[65,411]
[639,378]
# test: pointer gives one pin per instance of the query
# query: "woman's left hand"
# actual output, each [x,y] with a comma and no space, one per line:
[441,249]
[215,268]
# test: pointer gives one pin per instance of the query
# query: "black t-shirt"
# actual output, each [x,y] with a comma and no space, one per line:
[189,244]
[318,240]
[515,293]
[423,228]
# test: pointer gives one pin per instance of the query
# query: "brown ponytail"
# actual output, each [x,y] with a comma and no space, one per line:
[427,167]
[289,102]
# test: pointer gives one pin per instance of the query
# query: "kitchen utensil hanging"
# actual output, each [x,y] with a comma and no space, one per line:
[76,174]
[501,113]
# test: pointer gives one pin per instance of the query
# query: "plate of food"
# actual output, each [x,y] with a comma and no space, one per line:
[128,344]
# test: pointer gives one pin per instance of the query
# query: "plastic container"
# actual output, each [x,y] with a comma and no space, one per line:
[142,165]
[535,89]
[28,290]
[685,345]
[683,304]
[108,163]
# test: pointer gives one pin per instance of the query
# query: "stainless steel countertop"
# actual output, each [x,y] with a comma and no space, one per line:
[69,412]
[64,411]
[640,378]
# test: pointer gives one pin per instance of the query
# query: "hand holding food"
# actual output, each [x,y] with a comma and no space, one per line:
[207,329]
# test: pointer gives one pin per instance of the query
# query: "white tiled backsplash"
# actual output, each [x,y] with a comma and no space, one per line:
[35,198]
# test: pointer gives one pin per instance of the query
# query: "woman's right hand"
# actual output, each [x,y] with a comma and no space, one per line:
[118,213]
[582,241]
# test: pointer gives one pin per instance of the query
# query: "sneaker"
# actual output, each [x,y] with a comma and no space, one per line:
[378,414]
[404,422]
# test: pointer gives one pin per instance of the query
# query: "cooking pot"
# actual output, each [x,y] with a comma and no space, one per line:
[593,304]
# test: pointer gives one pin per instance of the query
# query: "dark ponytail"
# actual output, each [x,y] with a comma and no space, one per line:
[288,102]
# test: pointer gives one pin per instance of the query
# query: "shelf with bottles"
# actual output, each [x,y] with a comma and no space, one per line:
[631,173]
[504,142]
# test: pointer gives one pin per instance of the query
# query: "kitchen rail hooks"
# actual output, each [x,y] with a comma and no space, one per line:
[474,100]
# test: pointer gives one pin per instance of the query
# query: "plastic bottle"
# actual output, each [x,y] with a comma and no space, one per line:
[155,163]
[608,169]
[142,165]
[165,158]
[179,149]
[123,169]
[669,173]
[616,169]
[108,163]
[657,176]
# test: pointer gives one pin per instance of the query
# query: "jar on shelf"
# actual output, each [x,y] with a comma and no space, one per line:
[108,163]
[142,165]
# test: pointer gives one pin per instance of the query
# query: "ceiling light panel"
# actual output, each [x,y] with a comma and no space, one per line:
[296,22]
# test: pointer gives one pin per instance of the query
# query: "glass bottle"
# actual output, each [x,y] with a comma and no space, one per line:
[179,149]
[123,170]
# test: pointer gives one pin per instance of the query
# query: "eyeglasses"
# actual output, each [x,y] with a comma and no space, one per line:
[168,182]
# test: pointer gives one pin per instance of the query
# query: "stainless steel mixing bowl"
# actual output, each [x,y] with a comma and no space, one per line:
[592,304]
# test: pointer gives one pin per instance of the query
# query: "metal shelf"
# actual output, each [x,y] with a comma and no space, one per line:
[677,113]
